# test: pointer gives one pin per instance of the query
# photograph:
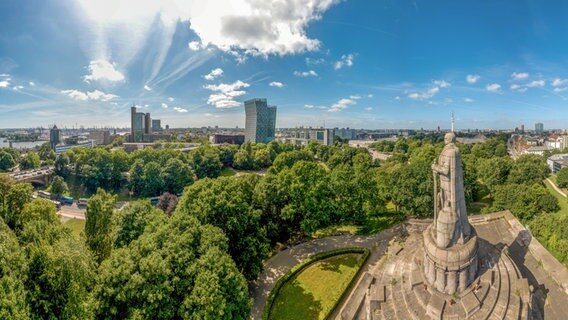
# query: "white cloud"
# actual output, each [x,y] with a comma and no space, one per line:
[276,84]
[101,69]
[314,61]
[560,89]
[494,87]
[442,84]
[472,78]
[355,97]
[165,106]
[309,73]
[519,75]
[345,61]
[31,83]
[226,94]
[147,88]
[89,95]
[341,104]
[397,98]
[17,88]
[468,100]
[370,95]
[215,73]
[536,84]
[309,106]
[178,109]
[518,88]
[559,82]
[4,84]
[368,109]
[257,27]
[424,95]
[171,99]
[194,46]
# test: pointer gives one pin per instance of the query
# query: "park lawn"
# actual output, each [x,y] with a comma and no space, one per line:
[373,224]
[313,293]
[227,172]
[76,226]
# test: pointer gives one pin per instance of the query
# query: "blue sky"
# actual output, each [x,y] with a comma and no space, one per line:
[353,63]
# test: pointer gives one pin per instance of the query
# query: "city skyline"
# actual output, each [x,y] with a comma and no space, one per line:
[379,65]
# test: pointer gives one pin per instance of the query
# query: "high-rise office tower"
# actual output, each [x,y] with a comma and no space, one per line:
[147,123]
[136,125]
[539,128]
[260,123]
[54,137]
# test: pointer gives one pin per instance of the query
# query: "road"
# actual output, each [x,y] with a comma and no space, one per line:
[72,211]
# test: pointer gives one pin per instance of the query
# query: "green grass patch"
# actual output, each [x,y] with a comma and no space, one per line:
[227,172]
[76,226]
[314,292]
[371,225]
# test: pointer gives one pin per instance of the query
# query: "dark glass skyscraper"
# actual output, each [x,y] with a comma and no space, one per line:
[260,124]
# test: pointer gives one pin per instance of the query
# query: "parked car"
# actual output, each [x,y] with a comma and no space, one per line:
[154,200]
[44,194]
[82,202]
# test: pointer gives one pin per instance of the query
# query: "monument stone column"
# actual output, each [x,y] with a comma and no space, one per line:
[450,243]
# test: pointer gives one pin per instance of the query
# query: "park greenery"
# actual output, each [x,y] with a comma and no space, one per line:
[193,254]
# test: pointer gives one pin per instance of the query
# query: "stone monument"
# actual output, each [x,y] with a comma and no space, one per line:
[443,270]
[450,243]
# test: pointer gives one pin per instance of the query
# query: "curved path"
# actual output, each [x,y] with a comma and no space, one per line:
[556,187]
[282,262]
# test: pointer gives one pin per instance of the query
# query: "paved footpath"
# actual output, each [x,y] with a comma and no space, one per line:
[556,188]
[282,262]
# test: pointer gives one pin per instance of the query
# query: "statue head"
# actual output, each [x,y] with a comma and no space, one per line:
[450,137]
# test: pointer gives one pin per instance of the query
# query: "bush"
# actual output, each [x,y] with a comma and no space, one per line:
[562,178]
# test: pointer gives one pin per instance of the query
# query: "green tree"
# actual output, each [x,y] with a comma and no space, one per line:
[6,161]
[153,181]
[528,169]
[30,161]
[61,165]
[243,158]
[205,162]
[98,224]
[130,222]
[13,269]
[289,158]
[493,172]
[562,177]
[136,177]
[58,186]
[226,202]
[17,197]
[176,176]
[178,271]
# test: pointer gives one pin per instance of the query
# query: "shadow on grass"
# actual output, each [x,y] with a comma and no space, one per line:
[379,222]
[350,260]
[293,302]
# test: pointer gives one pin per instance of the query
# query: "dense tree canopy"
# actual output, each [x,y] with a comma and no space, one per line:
[226,203]
[98,224]
[153,279]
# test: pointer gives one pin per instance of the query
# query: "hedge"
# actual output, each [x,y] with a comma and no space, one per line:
[306,263]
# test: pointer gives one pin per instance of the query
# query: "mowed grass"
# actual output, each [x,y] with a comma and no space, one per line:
[227,172]
[561,199]
[76,226]
[315,290]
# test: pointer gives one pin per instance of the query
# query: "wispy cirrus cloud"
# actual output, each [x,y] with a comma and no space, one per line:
[95,95]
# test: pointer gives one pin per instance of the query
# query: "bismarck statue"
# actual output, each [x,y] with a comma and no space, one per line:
[450,243]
